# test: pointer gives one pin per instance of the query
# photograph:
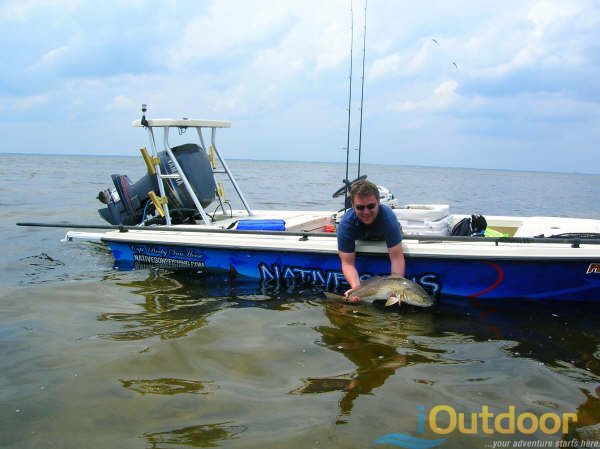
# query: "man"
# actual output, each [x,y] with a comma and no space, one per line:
[367,220]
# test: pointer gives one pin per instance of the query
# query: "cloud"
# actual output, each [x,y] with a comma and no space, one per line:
[264,64]
[382,67]
[231,101]
[227,29]
[312,46]
[30,102]
[547,38]
[270,38]
[122,102]
[407,64]
[23,10]
[55,56]
[441,98]
[554,49]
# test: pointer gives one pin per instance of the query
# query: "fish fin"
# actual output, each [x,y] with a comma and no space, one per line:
[369,281]
[392,300]
[330,295]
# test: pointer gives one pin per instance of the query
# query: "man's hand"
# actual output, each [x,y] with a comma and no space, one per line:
[349,297]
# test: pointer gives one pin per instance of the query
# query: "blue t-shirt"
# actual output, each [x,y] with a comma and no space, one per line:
[385,227]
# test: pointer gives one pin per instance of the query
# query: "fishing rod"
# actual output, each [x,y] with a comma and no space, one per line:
[346,182]
[362,91]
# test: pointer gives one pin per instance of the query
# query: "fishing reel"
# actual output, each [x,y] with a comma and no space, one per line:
[345,190]
[347,186]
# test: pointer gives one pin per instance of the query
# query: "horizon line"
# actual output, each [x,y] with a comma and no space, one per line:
[517,170]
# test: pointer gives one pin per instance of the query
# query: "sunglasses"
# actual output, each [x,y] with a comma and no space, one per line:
[369,206]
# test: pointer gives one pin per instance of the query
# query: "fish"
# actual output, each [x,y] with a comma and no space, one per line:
[394,289]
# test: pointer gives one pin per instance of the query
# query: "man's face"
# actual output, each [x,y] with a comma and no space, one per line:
[366,208]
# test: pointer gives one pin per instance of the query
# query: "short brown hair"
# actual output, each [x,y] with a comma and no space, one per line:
[363,188]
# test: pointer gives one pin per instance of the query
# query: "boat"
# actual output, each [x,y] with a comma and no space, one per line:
[162,221]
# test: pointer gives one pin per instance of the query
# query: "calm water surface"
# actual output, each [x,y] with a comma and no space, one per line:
[93,357]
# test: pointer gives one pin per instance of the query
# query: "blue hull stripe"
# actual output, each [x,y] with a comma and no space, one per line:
[464,278]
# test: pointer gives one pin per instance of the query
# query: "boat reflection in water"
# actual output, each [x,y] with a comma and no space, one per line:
[179,302]
[171,308]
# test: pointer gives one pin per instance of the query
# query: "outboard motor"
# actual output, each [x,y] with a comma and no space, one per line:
[128,203]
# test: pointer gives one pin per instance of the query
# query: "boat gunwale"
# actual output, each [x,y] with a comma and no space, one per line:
[423,238]
[552,256]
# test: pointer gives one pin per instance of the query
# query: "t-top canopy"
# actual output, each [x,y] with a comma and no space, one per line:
[183,123]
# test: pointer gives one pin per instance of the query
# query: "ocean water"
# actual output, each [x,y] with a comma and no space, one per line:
[93,357]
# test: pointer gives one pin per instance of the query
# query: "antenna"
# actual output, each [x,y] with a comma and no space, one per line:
[144,121]
[346,181]
[362,90]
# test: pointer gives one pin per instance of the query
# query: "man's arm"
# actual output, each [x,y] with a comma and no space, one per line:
[397,259]
[350,273]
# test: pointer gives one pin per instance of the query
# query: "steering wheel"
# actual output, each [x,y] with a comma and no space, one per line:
[347,185]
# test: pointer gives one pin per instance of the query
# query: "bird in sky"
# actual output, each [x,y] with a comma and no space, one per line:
[455,65]
[436,42]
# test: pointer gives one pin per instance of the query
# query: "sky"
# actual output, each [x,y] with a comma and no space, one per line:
[481,83]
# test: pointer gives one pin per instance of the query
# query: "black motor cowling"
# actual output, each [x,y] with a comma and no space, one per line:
[128,202]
